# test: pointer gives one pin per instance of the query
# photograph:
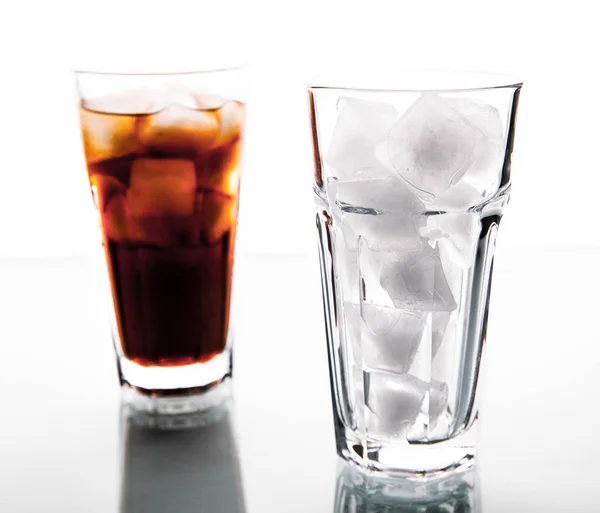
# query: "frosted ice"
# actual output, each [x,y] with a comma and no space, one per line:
[438,331]
[382,211]
[433,145]
[456,235]
[383,338]
[489,151]
[380,320]
[370,264]
[435,404]
[357,272]
[346,267]
[382,194]
[352,324]
[390,337]
[415,281]
[361,124]
[394,402]
[458,198]
[438,400]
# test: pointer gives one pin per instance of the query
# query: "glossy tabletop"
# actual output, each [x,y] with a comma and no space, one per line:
[67,445]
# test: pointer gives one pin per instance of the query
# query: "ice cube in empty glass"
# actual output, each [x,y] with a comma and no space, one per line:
[412,173]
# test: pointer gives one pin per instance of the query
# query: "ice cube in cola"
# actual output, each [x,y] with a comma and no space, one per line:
[166,183]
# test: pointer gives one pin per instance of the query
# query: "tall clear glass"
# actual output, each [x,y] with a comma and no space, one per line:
[412,174]
[163,160]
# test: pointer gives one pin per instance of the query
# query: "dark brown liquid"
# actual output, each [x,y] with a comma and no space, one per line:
[168,208]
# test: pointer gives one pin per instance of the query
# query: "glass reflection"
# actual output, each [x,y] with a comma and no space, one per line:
[180,463]
[361,492]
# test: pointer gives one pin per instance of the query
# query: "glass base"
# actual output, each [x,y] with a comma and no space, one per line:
[359,490]
[175,390]
[192,401]
[409,460]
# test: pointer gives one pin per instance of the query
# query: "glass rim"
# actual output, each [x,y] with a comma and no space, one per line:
[153,70]
[412,81]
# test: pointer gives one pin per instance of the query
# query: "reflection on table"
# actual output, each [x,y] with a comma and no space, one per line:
[361,492]
[180,463]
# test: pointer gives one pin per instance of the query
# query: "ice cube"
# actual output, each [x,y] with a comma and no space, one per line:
[133,102]
[352,336]
[207,101]
[107,136]
[357,272]
[231,120]
[109,123]
[114,219]
[380,320]
[382,194]
[489,151]
[390,338]
[358,392]
[415,280]
[360,125]
[346,268]
[394,401]
[216,215]
[438,331]
[227,183]
[458,198]
[104,188]
[156,209]
[382,338]
[218,170]
[438,400]
[174,93]
[180,130]
[456,235]
[382,211]
[162,187]
[370,264]
[432,146]
[434,405]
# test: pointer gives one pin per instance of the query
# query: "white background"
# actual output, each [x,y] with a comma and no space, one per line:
[45,207]
[540,420]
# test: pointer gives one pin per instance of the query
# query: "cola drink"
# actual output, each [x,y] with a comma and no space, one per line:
[165,180]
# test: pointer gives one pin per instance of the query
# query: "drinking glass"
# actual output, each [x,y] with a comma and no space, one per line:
[412,174]
[360,492]
[163,159]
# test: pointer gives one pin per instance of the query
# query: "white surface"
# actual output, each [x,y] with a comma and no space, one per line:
[59,440]
[44,202]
